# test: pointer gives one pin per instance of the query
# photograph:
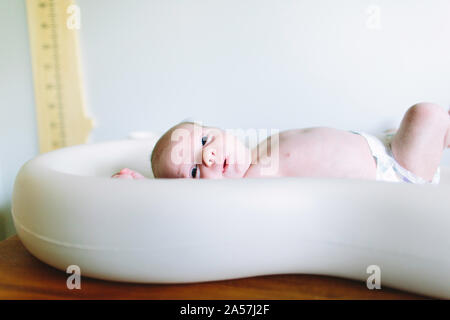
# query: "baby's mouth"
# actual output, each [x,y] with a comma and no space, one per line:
[225,166]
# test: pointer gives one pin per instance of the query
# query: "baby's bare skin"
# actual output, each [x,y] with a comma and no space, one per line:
[312,152]
[126,173]
[319,152]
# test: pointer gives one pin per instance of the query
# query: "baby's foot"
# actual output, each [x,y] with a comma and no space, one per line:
[128,174]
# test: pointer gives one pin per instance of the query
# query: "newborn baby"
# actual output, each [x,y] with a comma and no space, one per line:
[412,154]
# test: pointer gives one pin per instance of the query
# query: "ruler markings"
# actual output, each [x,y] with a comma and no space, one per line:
[54,36]
[61,116]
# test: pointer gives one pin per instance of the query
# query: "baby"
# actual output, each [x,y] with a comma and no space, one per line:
[412,154]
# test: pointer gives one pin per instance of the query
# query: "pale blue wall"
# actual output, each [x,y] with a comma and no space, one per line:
[18,141]
[234,63]
[261,63]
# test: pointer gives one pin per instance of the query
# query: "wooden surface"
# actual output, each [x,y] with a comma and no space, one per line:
[24,277]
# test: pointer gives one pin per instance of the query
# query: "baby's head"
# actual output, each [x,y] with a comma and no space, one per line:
[190,150]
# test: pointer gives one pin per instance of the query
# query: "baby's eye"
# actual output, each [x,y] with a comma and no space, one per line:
[204,140]
[194,172]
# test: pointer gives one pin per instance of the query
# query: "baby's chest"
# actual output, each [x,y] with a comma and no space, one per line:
[317,156]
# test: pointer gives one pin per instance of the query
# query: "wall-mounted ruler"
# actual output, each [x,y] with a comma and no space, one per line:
[60,108]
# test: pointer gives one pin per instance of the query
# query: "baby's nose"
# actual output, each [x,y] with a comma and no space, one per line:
[209,156]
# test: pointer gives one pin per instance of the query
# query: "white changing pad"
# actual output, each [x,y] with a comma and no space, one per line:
[68,211]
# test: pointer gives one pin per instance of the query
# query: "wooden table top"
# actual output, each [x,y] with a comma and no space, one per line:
[22,276]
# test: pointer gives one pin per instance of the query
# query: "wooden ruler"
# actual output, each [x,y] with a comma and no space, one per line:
[60,107]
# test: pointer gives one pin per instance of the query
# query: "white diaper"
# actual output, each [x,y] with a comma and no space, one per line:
[388,169]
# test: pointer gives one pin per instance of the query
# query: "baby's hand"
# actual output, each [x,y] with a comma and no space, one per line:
[128,174]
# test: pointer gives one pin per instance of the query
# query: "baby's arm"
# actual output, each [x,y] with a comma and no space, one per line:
[128,174]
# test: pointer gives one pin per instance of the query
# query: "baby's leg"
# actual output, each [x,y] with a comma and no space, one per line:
[423,135]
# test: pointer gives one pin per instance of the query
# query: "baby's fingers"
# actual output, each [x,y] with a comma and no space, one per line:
[128,174]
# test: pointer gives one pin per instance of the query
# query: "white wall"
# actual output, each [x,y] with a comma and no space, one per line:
[261,63]
[233,63]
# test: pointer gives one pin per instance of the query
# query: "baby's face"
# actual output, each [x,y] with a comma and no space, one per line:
[200,152]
